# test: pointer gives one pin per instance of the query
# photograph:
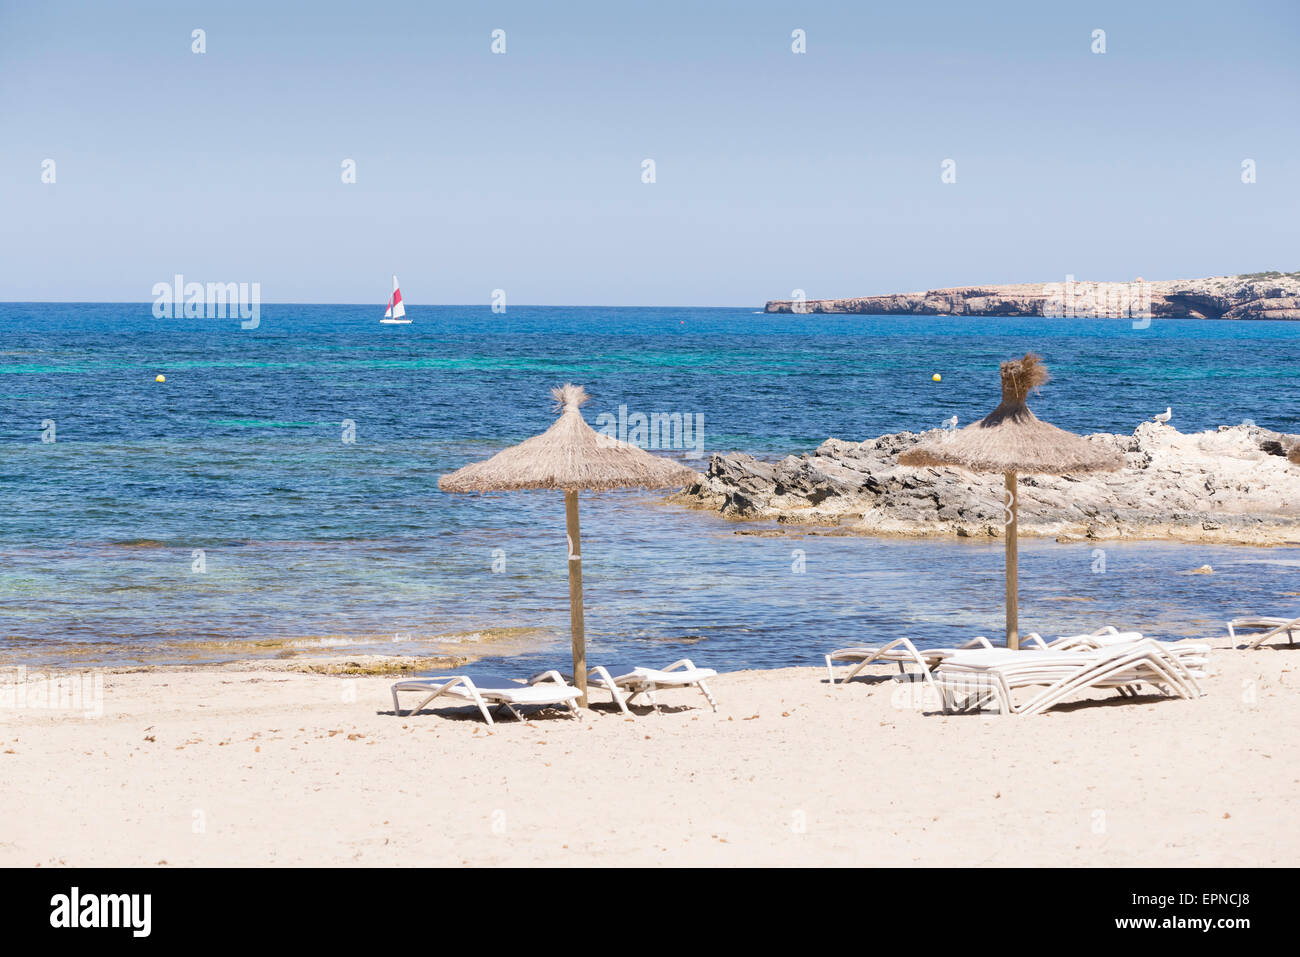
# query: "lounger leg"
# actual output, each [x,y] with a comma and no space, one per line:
[620,700]
[420,707]
[853,672]
[830,670]
[483,708]
[513,710]
[708,697]
[970,695]
[650,694]
[971,700]
[956,696]
[606,680]
[946,700]
[978,699]
[927,674]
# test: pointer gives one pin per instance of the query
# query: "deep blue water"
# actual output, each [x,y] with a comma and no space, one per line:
[309,540]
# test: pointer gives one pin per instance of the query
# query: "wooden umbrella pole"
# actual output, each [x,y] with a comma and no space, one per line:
[575,594]
[1012,533]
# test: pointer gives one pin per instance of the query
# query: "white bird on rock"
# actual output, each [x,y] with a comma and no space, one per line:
[1164,417]
[950,422]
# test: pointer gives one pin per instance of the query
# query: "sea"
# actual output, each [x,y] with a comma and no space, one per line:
[276,495]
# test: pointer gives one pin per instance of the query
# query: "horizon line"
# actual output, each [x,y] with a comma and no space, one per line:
[372,305]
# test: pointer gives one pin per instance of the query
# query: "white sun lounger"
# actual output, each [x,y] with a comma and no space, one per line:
[973,680]
[1195,655]
[547,688]
[900,651]
[1272,627]
[624,684]
[1108,634]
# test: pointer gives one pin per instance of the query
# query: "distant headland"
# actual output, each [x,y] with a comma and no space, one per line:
[1263,295]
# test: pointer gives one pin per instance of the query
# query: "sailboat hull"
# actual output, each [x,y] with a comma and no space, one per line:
[395,322]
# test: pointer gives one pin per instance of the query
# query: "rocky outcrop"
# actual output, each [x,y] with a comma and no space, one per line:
[1233,485]
[1259,296]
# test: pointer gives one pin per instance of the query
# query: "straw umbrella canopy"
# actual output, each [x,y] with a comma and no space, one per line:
[571,457]
[1011,440]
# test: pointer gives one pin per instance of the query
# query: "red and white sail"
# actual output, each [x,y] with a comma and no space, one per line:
[396,310]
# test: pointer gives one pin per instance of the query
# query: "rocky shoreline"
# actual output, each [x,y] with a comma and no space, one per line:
[1257,296]
[1229,486]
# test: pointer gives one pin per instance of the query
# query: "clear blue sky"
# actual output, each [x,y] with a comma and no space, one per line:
[775,171]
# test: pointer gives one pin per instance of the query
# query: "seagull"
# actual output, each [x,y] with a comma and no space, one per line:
[950,423]
[1164,417]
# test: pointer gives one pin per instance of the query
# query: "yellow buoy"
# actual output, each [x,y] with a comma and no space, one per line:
[936,378]
[160,378]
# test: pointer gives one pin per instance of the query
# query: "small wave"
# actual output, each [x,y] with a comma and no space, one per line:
[292,643]
[269,424]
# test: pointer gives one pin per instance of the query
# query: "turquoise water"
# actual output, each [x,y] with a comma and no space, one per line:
[312,543]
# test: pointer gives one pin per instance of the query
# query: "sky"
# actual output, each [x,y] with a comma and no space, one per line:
[774,171]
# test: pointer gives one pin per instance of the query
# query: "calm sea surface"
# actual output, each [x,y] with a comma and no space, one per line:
[221,514]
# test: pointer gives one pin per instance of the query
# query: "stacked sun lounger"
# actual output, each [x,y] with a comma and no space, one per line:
[1194,654]
[985,679]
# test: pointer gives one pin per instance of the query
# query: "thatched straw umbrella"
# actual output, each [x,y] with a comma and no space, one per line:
[1011,439]
[573,457]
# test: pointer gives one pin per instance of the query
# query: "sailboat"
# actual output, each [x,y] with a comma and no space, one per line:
[396,312]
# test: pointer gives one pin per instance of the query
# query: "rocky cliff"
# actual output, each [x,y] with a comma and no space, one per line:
[1257,296]
[1233,485]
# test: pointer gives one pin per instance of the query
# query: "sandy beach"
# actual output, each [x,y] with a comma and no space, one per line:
[241,765]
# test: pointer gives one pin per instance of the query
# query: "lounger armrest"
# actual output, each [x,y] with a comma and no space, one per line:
[1074,643]
[979,641]
[681,663]
[448,680]
[549,674]
[1034,638]
[601,674]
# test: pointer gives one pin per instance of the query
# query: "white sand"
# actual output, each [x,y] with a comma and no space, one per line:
[224,767]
